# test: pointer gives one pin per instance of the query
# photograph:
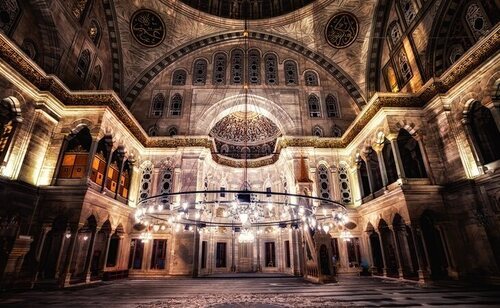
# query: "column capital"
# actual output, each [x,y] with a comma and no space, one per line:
[392,136]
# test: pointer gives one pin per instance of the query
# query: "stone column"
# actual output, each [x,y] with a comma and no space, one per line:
[393,138]
[196,252]
[425,157]
[93,149]
[421,271]
[360,184]
[473,144]
[66,275]
[369,252]
[106,252]
[45,230]
[90,253]
[64,146]
[370,175]
[59,256]
[384,269]
[109,147]
[398,253]
[381,163]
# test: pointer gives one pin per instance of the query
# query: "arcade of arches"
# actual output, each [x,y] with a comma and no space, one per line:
[390,107]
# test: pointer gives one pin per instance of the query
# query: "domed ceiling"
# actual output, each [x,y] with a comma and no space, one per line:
[239,136]
[247,9]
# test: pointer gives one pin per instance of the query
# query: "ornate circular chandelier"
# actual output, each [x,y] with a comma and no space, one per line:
[244,211]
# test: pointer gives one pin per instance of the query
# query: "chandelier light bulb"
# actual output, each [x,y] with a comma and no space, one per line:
[160,207]
[163,227]
[85,237]
[156,228]
[185,206]
[326,228]
[68,234]
[244,218]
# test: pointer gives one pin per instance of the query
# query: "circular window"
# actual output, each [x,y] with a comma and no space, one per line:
[342,30]
[147,27]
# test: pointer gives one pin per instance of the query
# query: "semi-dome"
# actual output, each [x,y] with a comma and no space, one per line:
[245,135]
[247,9]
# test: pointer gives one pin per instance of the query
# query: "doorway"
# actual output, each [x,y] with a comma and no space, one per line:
[245,257]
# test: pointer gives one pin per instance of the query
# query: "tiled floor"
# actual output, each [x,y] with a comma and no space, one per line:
[257,292]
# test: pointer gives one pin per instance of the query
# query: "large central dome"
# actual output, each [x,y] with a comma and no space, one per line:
[247,9]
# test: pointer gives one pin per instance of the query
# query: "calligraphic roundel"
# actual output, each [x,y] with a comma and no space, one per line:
[342,30]
[147,27]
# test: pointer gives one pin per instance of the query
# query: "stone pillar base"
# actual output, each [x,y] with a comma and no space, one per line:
[65,280]
[423,276]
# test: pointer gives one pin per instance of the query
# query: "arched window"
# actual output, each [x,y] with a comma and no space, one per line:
[237,66]
[456,51]
[394,32]
[172,131]
[291,75]
[220,65]
[157,105]
[485,132]
[10,11]
[146,180]
[166,183]
[314,108]
[100,160]
[345,186]
[324,182]
[29,49]
[76,155]
[409,10]
[389,162]
[94,32]
[179,78]
[125,175]
[311,79]
[95,81]
[80,9]
[477,21]
[10,117]
[332,106]
[153,131]
[317,131]
[83,64]
[404,66]
[271,69]
[336,131]
[176,105]
[200,72]
[411,156]
[254,66]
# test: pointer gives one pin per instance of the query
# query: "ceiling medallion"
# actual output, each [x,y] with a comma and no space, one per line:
[342,30]
[147,27]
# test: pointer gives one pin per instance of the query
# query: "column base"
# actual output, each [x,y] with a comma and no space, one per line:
[384,271]
[87,278]
[423,276]
[65,280]
[400,273]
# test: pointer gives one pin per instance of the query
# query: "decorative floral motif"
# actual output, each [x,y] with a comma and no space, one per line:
[147,28]
[342,30]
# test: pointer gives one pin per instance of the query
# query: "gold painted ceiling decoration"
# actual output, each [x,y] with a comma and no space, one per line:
[247,9]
